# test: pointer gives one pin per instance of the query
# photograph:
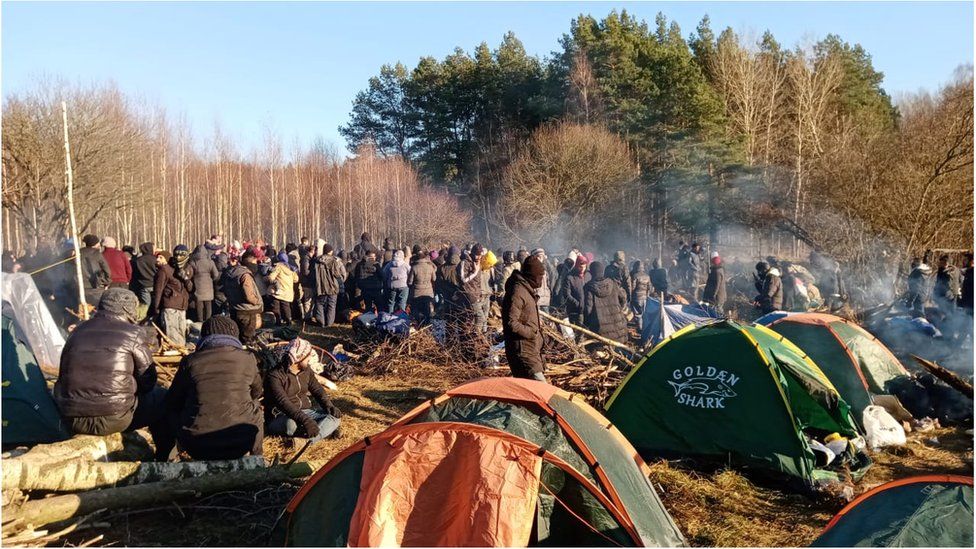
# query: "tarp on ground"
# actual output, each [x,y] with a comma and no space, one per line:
[676,317]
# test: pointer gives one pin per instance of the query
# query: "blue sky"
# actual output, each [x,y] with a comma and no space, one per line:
[297,66]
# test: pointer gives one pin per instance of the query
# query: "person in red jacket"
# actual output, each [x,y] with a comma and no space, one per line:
[118,263]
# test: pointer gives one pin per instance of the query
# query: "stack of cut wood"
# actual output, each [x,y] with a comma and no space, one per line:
[65,483]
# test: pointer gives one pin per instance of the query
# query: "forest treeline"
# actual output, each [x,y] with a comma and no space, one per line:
[630,134]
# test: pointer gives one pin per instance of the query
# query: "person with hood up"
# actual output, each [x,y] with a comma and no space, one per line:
[395,275]
[171,293]
[770,296]
[96,273]
[603,305]
[947,286]
[545,291]
[641,286]
[448,284]
[144,275]
[329,274]
[521,325]
[617,270]
[572,292]
[119,265]
[365,246]
[243,299]
[562,274]
[368,276]
[714,293]
[919,288]
[289,390]
[421,280]
[509,266]
[283,278]
[205,276]
[107,381]
[215,398]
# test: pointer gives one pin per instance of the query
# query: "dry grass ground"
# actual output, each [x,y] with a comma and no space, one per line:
[722,508]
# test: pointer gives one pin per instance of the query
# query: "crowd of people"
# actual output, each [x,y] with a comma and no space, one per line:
[221,403]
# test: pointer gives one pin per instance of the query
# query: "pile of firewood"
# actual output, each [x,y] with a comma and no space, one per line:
[64,484]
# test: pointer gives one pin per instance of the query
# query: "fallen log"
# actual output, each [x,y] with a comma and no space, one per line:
[81,474]
[61,508]
[88,447]
[951,378]
[594,335]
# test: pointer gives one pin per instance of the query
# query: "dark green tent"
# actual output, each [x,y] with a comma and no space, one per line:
[926,511]
[854,360]
[29,413]
[735,394]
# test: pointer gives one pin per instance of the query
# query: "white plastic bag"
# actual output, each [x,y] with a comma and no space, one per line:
[881,429]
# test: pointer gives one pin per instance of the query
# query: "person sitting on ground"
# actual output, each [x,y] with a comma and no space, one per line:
[521,325]
[215,399]
[107,381]
[603,305]
[289,390]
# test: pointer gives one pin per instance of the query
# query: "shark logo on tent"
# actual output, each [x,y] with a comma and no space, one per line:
[703,387]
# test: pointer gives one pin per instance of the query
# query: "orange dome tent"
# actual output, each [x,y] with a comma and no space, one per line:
[494,462]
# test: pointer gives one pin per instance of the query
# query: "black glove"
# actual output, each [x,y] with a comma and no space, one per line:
[311,428]
[332,410]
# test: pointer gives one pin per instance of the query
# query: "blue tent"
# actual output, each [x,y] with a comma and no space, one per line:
[676,317]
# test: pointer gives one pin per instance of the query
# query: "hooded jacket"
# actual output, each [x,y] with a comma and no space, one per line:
[105,363]
[143,268]
[641,284]
[603,305]
[448,284]
[169,292]
[572,293]
[618,271]
[96,271]
[238,285]
[330,274]
[522,327]
[368,275]
[205,273]
[659,277]
[283,279]
[422,277]
[395,272]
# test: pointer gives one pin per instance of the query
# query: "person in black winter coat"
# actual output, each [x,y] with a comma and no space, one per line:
[659,278]
[947,286]
[521,325]
[144,273]
[715,285]
[289,391]
[966,292]
[603,305]
[96,273]
[107,381]
[572,292]
[770,290]
[617,270]
[919,288]
[215,398]
[369,280]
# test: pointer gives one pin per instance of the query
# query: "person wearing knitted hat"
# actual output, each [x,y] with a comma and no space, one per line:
[290,389]
[107,378]
[603,305]
[215,399]
[521,325]
[572,290]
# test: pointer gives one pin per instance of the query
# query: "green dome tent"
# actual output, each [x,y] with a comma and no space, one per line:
[926,511]
[737,394]
[854,360]
[29,413]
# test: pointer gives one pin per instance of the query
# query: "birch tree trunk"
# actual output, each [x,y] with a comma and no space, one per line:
[71,213]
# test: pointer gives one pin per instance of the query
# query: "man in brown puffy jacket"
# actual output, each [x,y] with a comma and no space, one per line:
[421,279]
[107,380]
[521,325]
